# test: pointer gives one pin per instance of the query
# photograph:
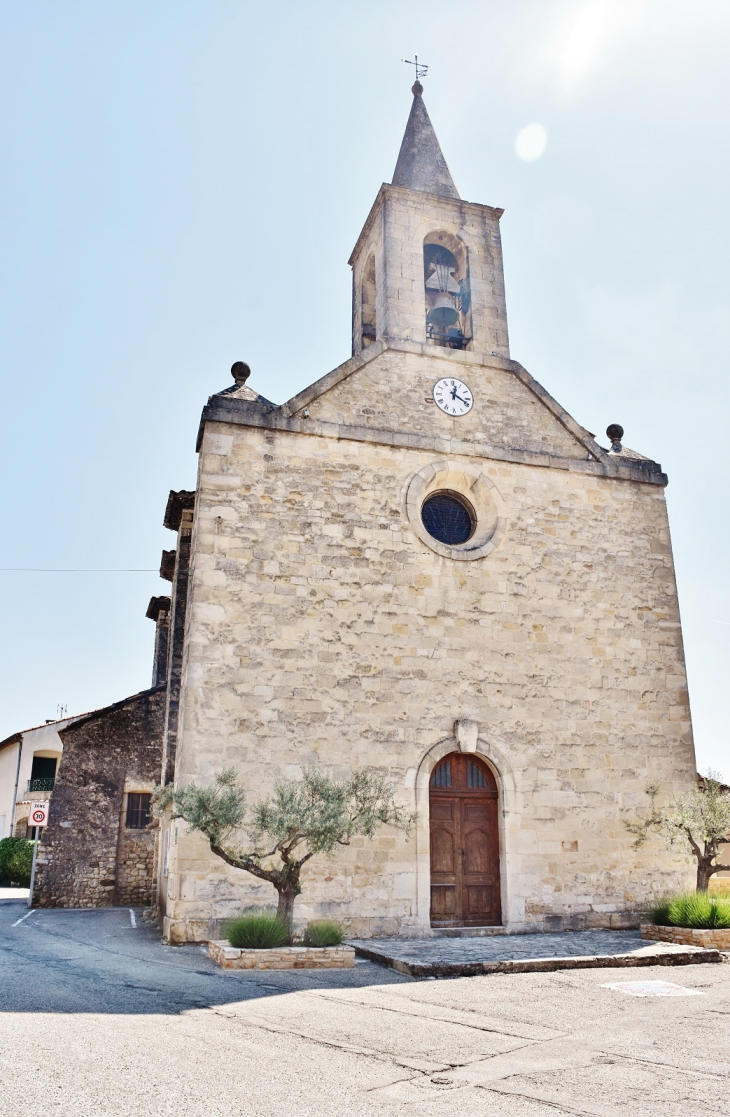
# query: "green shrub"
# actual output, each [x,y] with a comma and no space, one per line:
[323,932]
[659,913]
[698,909]
[16,858]
[257,931]
[692,909]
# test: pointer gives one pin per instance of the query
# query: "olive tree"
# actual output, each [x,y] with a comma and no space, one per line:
[280,833]
[698,820]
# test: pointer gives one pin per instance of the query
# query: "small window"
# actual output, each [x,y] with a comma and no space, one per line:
[448,299]
[442,775]
[44,768]
[42,774]
[367,304]
[138,810]
[448,517]
[475,776]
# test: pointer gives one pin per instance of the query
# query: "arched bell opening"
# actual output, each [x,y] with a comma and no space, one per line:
[464,843]
[368,313]
[447,291]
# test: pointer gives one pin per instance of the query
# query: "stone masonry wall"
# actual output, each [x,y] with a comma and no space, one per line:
[322,630]
[83,860]
[135,865]
[718,937]
[507,417]
[394,236]
[175,647]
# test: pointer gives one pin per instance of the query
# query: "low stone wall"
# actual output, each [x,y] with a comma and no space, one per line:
[688,936]
[282,957]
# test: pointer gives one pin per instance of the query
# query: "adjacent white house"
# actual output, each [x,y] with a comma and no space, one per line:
[28,764]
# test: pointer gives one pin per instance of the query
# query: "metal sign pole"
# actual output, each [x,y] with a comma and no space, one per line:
[38,816]
[32,871]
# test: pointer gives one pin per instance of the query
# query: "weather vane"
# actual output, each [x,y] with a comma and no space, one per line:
[422,68]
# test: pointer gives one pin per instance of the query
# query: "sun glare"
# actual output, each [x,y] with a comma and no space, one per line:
[589,29]
[581,44]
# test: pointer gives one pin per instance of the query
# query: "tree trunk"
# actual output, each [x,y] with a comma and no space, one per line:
[285,910]
[705,869]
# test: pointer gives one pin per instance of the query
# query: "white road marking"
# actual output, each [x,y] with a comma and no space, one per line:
[132,917]
[651,989]
[17,921]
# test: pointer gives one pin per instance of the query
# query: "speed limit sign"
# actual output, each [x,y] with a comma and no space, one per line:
[39,814]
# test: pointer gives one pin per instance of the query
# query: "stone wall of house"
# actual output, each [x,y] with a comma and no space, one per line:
[86,858]
[323,630]
[135,865]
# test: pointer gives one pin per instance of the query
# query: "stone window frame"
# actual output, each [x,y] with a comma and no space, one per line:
[459,249]
[494,753]
[474,484]
[368,301]
[133,788]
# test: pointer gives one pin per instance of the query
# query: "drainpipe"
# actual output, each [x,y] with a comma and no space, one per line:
[15,790]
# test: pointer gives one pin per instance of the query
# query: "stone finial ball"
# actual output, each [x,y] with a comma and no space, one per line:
[416,89]
[615,432]
[240,372]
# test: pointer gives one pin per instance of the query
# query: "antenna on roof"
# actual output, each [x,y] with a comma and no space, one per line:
[422,68]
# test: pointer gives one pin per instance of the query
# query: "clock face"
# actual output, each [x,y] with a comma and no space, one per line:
[453,396]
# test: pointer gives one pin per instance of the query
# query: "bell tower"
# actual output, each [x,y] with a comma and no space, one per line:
[427,267]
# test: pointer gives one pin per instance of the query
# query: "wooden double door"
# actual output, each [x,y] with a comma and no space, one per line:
[463,808]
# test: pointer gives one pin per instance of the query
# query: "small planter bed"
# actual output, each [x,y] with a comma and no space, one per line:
[692,919]
[717,937]
[281,957]
[260,941]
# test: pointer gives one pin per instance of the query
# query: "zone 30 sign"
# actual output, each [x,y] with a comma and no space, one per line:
[39,815]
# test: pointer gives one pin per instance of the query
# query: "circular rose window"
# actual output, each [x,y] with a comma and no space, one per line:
[455,509]
[448,517]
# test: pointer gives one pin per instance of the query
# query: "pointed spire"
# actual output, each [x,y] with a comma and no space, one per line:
[421,164]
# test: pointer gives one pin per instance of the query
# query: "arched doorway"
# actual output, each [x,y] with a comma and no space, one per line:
[464,843]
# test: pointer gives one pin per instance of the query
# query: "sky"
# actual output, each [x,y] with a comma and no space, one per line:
[183,183]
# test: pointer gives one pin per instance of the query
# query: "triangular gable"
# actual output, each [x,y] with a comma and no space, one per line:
[389,386]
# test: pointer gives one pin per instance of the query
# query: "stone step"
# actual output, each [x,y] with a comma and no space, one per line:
[466,932]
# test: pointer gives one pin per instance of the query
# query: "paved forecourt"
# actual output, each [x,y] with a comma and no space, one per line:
[96,1014]
[452,957]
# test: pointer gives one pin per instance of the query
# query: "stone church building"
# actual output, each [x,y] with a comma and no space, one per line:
[423,563]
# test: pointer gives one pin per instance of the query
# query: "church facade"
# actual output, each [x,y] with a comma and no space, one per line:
[422,563]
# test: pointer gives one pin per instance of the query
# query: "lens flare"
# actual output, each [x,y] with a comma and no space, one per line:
[531,142]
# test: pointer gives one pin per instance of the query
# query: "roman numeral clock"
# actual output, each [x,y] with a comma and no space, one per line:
[453,396]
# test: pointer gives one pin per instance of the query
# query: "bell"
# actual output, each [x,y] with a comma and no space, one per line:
[443,312]
[442,279]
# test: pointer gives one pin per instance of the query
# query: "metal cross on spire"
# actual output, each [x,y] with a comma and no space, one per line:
[422,68]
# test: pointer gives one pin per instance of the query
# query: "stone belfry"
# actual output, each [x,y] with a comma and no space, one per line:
[423,564]
[428,266]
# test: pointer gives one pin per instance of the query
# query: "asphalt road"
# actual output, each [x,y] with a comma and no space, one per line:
[98,1018]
